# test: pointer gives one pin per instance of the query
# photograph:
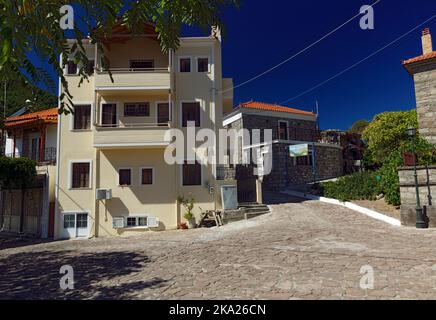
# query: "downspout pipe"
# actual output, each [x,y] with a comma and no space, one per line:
[58,163]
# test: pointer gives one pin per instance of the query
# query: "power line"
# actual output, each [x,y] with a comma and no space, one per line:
[361,61]
[297,54]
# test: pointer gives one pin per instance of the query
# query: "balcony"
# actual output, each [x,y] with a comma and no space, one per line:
[156,79]
[46,157]
[131,136]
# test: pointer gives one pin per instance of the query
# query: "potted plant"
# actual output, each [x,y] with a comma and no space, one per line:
[188,204]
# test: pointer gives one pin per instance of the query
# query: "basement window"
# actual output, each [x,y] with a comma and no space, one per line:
[135,222]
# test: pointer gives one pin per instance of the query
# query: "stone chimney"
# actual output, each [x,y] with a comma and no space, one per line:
[427,46]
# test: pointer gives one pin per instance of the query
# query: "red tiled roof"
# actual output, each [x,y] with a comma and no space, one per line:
[44,116]
[423,57]
[273,107]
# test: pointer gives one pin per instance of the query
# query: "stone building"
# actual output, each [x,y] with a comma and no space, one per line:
[289,127]
[352,145]
[423,70]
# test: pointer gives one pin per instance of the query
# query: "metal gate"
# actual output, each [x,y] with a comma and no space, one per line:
[22,211]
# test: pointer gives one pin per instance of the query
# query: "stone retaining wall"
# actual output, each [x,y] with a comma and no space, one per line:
[408,194]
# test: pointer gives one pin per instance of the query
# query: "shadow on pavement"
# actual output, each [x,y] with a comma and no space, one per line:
[276,198]
[10,242]
[36,275]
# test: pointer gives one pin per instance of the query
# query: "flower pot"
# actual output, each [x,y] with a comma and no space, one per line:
[191,224]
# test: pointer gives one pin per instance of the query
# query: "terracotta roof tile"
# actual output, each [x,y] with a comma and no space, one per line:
[273,107]
[424,57]
[49,116]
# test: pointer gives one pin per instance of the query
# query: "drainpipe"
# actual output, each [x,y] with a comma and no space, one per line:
[58,163]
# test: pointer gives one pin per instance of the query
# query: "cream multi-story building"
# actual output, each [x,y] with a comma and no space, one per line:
[113,145]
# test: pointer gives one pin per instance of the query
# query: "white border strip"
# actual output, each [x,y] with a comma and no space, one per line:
[349,205]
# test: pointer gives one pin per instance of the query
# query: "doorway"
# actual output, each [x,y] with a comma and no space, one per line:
[75,225]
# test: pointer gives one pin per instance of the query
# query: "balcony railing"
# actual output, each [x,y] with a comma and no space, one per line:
[49,156]
[155,78]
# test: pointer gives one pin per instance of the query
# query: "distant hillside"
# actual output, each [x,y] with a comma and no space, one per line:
[17,94]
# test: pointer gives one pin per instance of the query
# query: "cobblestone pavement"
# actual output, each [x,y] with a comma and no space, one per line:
[302,250]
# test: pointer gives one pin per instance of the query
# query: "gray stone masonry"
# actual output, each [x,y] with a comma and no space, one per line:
[408,194]
[285,171]
[425,90]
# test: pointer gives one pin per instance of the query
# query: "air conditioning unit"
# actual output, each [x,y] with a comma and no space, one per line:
[118,223]
[152,222]
[104,194]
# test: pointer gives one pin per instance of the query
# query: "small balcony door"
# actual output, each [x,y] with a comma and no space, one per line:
[163,114]
[109,115]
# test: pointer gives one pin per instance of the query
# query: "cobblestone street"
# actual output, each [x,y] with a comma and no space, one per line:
[302,250]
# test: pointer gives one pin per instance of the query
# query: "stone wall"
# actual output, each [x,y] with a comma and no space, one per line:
[408,194]
[300,130]
[286,172]
[425,90]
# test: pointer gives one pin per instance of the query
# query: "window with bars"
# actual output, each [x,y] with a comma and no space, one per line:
[191,112]
[124,177]
[191,174]
[82,117]
[81,175]
[140,109]
[147,176]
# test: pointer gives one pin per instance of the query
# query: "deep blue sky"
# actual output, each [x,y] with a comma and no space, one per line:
[263,33]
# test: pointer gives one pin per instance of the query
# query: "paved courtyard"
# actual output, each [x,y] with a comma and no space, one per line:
[302,250]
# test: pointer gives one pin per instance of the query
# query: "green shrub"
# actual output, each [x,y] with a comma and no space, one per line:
[358,186]
[17,172]
[389,171]
[390,183]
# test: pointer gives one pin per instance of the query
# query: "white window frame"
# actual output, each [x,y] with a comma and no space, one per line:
[136,224]
[81,103]
[153,176]
[208,64]
[180,65]
[287,129]
[75,213]
[202,110]
[117,103]
[118,177]
[70,174]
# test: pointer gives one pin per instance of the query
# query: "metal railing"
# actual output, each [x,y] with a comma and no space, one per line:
[134,125]
[49,156]
[138,70]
